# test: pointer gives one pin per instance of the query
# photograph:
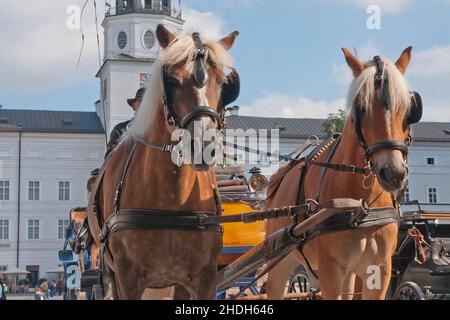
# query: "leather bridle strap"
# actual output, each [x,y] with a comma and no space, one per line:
[392,144]
[339,167]
[200,111]
[168,148]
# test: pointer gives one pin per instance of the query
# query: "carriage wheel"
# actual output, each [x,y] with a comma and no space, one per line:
[409,291]
[299,282]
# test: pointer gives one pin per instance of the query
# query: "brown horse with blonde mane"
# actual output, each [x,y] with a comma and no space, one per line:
[144,204]
[77,221]
[354,263]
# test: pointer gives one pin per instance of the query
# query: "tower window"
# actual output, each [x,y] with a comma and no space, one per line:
[431,161]
[122,40]
[149,39]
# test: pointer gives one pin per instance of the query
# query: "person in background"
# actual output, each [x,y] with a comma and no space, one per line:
[2,288]
[122,127]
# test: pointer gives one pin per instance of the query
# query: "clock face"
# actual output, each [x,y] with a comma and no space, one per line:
[122,40]
[149,39]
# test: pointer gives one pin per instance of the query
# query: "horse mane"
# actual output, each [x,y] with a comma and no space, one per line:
[362,90]
[181,51]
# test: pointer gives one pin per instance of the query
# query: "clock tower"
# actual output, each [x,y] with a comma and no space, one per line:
[131,49]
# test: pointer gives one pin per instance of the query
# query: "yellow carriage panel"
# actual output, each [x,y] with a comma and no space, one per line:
[242,234]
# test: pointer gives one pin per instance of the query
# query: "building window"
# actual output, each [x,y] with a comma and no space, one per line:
[147,4]
[4,229]
[33,229]
[122,40]
[406,196]
[64,191]
[33,190]
[62,228]
[4,190]
[431,161]
[3,268]
[432,195]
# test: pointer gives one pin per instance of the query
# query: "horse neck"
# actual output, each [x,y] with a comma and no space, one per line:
[349,152]
[181,187]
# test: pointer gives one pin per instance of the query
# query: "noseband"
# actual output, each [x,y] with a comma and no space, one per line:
[383,94]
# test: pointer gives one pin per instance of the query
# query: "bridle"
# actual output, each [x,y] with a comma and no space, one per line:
[230,92]
[382,92]
[200,79]
[414,116]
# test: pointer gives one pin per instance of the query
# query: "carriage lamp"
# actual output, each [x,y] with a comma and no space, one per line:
[257,181]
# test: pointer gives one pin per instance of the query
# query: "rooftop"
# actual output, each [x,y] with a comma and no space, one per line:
[50,121]
[304,128]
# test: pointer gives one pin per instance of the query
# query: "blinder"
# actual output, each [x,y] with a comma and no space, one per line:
[230,89]
[416,111]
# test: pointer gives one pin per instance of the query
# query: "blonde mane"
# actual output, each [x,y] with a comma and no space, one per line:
[362,90]
[180,51]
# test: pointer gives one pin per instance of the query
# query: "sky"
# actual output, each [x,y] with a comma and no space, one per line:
[288,53]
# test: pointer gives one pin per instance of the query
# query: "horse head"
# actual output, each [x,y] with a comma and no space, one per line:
[383,108]
[191,79]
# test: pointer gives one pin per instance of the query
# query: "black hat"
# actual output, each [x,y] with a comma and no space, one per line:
[139,97]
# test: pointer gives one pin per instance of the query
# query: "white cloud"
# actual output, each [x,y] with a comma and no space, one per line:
[284,106]
[433,62]
[210,24]
[389,6]
[39,53]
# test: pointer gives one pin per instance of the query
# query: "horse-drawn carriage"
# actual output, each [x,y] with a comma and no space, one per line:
[334,210]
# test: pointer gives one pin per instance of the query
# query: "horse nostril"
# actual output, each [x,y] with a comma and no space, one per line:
[382,174]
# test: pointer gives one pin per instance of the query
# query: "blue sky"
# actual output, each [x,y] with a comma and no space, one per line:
[289,55]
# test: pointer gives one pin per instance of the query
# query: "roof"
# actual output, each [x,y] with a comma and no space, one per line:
[289,127]
[305,128]
[50,121]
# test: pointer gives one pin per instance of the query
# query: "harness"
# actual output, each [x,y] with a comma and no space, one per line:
[375,216]
[149,219]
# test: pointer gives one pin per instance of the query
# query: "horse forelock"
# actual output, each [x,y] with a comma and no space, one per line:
[362,90]
[180,52]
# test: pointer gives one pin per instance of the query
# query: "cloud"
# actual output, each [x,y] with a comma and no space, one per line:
[39,52]
[296,106]
[389,6]
[209,23]
[433,62]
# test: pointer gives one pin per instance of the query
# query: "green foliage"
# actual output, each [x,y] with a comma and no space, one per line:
[335,122]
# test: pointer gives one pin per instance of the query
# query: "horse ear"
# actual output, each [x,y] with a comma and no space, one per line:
[353,62]
[403,62]
[228,41]
[165,37]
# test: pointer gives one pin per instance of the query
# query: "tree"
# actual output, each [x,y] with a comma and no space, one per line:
[335,122]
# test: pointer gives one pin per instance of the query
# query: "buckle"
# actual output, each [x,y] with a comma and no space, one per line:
[353,168]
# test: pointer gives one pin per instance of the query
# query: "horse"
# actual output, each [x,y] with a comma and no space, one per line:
[82,240]
[146,204]
[368,161]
